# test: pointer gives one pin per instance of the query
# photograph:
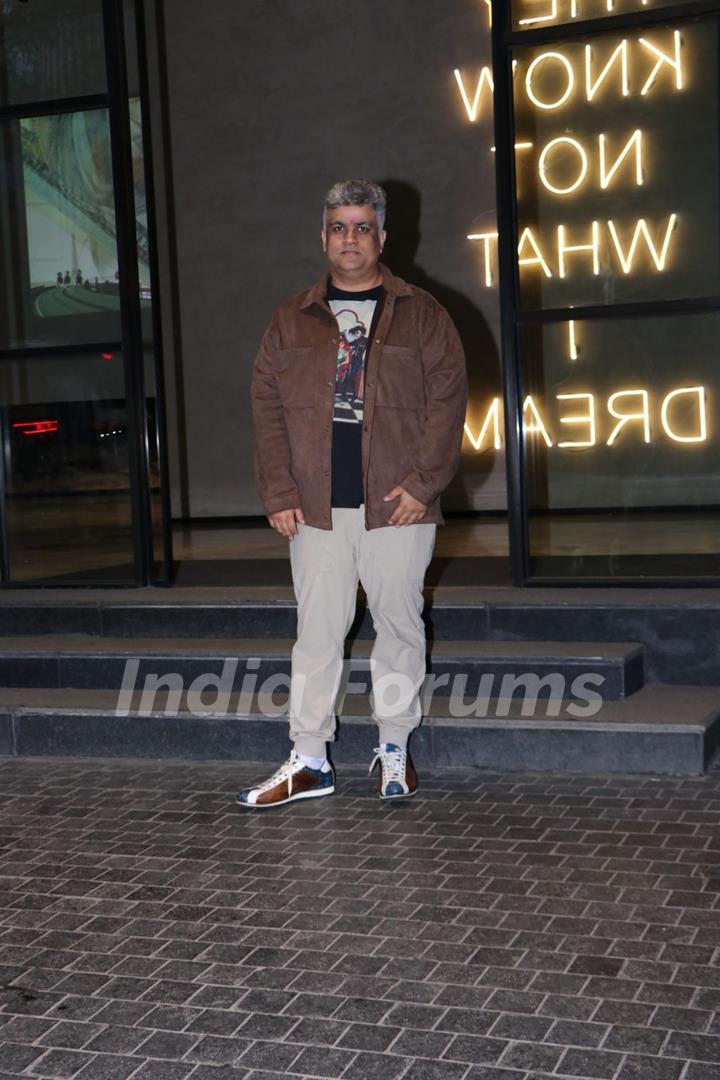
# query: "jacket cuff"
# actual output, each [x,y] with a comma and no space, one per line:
[286,500]
[415,487]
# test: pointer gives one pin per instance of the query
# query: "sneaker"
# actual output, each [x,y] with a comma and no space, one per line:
[397,779]
[293,780]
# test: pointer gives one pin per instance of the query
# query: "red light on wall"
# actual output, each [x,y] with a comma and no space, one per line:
[106,355]
[36,427]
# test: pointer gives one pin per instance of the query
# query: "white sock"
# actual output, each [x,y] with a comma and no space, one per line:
[312,762]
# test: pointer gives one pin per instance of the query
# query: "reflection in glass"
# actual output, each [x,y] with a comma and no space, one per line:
[60,274]
[67,172]
[71,211]
[66,466]
[50,49]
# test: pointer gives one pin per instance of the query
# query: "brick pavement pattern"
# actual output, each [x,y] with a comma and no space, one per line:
[497,927]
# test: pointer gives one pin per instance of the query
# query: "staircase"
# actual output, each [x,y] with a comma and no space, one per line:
[622,680]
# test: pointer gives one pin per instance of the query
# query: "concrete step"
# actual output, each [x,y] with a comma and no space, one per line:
[91,661]
[680,628]
[660,729]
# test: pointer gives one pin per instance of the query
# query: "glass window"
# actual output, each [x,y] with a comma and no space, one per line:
[617,167]
[64,427]
[50,49]
[67,482]
[621,444]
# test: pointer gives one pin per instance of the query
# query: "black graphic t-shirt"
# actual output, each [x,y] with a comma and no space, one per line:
[356,314]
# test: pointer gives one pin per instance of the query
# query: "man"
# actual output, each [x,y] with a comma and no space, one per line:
[355,487]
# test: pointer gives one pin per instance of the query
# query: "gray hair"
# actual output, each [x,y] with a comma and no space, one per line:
[356,193]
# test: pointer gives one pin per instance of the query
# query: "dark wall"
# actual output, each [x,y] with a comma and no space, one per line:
[269,103]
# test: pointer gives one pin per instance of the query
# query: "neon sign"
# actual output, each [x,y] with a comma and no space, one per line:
[625,250]
[651,61]
[565,167]
[634,413]
[554,13]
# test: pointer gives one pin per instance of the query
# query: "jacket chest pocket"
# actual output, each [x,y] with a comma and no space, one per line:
[400,383]
[295,374]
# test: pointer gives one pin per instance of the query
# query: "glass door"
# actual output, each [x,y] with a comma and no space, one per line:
[81,418]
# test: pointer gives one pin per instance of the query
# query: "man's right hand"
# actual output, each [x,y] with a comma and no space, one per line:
[286,521]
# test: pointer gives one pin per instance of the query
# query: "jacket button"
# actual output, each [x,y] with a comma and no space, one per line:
[378,340]
[365,427]
[331,385]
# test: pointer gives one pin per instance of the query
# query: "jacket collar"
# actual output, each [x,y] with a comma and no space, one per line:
[394,286]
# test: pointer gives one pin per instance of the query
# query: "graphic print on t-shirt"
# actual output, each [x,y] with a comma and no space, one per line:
[354,319]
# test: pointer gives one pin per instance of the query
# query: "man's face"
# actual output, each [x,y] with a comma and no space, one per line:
[352,241]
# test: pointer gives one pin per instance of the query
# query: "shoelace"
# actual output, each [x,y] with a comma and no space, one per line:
[393,764]
[286,772]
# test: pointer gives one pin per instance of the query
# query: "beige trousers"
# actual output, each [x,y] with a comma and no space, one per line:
[390,564]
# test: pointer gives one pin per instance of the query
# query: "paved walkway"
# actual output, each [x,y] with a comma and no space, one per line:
[500,927]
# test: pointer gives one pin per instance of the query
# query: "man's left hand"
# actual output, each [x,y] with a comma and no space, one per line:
[408,511]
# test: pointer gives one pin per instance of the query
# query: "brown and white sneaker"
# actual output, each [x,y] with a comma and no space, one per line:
[293,780]
[397,779]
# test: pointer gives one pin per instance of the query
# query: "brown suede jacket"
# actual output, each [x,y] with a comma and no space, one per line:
[415,398]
